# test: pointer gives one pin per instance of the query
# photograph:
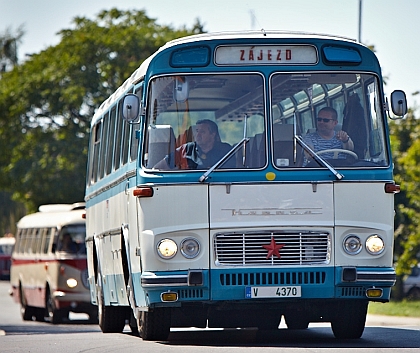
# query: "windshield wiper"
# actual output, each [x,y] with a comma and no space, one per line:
[204,177]
[313,154]
[318,158]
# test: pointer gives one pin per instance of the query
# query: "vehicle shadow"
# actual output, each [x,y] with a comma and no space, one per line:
[37,327]
[317,337]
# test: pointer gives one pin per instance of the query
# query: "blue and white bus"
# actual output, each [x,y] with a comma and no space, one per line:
[209,206]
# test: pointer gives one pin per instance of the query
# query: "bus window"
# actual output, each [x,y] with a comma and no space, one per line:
[234,103]
[71,239]
[95,145]
[104,148]
[126,142]
[118,140]
[348,95]
[111,142]
[134,145]
[49,234]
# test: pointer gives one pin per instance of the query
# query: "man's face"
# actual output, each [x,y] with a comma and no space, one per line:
[203,136]
[325,122]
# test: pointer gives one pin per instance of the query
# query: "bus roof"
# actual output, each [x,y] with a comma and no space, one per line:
[53,216]
[273,34]
[232,35]
[7,240]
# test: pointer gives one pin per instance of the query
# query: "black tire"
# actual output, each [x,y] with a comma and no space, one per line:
[93,315]
[296,321]
[55,316]
[154,325]
[26,311]
[40,314]
[133,324]
[349,321]
[111,318]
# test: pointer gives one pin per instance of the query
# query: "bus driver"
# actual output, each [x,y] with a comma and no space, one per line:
[203,153]
[325,137]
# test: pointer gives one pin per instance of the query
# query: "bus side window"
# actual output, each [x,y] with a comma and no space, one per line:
[134,143]
[49,237]
[111,142]
[118,139]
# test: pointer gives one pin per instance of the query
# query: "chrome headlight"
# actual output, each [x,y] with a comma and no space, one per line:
[352,244]
[167,248]
[375,245]
[190,248]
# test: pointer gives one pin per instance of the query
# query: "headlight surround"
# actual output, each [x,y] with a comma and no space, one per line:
[352,244]
[375,245]
[167,248]
[190,248]
[71,283]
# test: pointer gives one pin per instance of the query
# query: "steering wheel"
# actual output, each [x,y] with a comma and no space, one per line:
[336,151]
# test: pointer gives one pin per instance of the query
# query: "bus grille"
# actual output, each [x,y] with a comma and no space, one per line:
[297,248]
[272,278]
[353,292]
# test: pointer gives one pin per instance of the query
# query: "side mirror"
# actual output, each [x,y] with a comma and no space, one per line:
[130,107]
[399,103]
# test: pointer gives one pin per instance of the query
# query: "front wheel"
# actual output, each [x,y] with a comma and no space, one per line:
[154,325]
[55,316]
[349,320]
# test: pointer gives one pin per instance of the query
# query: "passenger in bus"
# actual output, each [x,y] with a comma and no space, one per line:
[325,137]
[204,152]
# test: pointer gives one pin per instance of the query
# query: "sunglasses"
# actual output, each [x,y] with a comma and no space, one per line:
[325,120]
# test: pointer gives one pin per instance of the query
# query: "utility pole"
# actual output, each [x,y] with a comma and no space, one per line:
[360,21]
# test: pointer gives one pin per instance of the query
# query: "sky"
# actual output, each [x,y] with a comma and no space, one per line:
[392,26]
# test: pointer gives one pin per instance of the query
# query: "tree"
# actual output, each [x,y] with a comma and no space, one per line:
[405,142]
[48,101]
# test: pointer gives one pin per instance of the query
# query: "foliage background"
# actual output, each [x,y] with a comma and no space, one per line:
[47,102]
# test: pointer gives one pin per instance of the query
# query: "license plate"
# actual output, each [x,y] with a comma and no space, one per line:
[273,292]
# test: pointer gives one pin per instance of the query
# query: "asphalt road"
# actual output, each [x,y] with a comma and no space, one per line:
[395,334]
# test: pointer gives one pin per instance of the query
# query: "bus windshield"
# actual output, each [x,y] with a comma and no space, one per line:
[337,114]
[71,239]
[194,120]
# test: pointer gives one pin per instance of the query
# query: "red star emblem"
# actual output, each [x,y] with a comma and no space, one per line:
[273,248]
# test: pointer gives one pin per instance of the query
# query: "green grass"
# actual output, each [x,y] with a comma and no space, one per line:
[403,308]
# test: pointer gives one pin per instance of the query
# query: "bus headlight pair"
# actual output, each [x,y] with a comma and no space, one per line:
[167,248]
[353,245]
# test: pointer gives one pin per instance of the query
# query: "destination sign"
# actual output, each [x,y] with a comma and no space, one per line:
[266,55]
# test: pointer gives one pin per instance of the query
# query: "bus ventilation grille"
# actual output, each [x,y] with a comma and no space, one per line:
[190,294]
[250,249]
[272,278]
[353,292]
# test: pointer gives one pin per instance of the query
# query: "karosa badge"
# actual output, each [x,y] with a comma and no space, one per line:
[273,248]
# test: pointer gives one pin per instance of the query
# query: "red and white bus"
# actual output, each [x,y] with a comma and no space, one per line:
[48,274]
